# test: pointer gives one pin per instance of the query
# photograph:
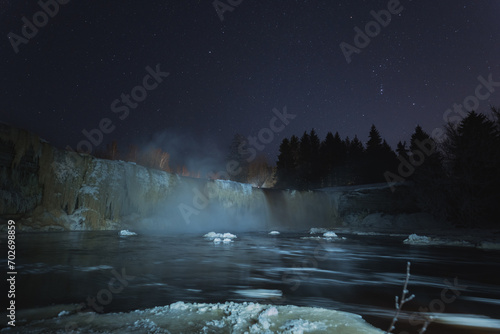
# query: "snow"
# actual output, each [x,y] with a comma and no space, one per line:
[218,238]
[180,317]
[420,240]
[327,235]
[214,235]
[88,190]
[224,241]
[65,169]
[245,188]
[415,239]
[63,313]
[126,233]
[274,233]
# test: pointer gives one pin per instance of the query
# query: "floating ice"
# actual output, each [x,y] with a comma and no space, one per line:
[63,313]
[327,235]
[415,239]
[214,235]
[230,317]
[274,233]
[224,241]
[126,232]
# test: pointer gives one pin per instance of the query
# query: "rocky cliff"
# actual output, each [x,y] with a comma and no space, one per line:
[49,189]
[44,188]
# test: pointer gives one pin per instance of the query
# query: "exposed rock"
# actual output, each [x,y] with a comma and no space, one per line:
[45,188]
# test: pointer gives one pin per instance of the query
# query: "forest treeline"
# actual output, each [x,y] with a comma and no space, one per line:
[456,178]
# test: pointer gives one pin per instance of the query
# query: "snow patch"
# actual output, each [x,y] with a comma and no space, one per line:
[92,191]
[230,317]
[221,236]
[224,241]
[126,233]
[421,240]
[63,313]
[414,239]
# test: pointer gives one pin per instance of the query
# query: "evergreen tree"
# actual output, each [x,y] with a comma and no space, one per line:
[285,166]
[378,157]
[327,159]
[374,141]
[305,162]
[402,150]
[472,154]
[314,176]
[354,162]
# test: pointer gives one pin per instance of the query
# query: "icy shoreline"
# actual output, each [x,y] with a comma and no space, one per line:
[188,318]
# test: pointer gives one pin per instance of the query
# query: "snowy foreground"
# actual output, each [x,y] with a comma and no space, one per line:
[206,318]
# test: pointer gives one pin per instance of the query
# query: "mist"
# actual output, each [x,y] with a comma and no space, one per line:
[199,155]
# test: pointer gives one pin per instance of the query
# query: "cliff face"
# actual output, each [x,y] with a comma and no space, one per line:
[49,189]
[44,188]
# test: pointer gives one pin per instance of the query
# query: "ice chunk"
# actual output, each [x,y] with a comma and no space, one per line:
[274,233]
[214,235]
[126,232]
[414,239]
[330,234]
[63,313]
[230,317]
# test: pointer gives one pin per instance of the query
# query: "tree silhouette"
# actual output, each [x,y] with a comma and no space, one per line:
[402,150]
[472,156]
[379,157]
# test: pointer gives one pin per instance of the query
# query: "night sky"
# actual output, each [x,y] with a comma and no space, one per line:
[226,76]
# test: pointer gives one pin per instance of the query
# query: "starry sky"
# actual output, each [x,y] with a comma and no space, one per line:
[227,70]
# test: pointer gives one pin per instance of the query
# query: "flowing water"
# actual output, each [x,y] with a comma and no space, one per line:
[359,274]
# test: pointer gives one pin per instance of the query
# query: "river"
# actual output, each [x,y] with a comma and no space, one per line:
[355,273]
